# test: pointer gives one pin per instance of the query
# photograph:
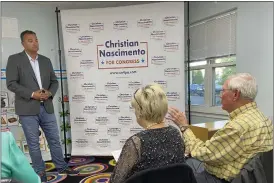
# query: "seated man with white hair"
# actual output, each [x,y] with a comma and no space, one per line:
[158,145]
[247,133]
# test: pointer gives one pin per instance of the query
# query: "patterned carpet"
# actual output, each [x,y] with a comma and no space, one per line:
[92,170]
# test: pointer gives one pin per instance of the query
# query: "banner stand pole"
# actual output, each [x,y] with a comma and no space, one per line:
[188,66]
[61,77]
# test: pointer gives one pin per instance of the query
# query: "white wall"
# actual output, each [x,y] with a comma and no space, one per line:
[254,42]
[40,19]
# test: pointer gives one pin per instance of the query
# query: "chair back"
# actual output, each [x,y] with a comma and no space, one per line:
[267,162]
[258,170]
[176,173]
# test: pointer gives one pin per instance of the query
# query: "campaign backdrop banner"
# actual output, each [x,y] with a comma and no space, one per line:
[111,52]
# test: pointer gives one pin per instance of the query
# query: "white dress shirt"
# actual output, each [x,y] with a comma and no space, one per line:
[35,66]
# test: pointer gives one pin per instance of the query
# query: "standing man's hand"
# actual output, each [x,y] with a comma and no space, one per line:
[45,94]
[36,95]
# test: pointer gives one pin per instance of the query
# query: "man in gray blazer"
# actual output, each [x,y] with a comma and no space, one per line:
[31,77]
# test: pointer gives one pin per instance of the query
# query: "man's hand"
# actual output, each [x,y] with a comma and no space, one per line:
[178,117]
[36,95]
[45,94]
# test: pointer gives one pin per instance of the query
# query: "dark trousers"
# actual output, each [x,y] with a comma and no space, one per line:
[201,175]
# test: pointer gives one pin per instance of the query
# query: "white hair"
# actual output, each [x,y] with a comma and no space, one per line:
[245,83]
[150,103]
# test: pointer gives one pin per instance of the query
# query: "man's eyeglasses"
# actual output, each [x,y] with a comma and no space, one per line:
[222,91]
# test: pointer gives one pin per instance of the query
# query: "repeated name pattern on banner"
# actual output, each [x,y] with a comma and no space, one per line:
[110,53]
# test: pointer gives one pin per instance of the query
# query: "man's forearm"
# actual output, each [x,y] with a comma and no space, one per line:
[216,150]
[13,79]
[20,90]
[53,88]
[54,84]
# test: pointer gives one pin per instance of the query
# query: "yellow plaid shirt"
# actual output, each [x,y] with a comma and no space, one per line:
[247,133]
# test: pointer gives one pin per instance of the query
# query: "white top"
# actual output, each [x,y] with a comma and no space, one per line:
[36,69]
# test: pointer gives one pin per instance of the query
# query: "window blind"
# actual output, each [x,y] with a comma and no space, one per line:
[214,37]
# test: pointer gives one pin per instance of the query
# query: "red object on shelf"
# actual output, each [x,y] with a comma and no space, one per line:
[66,99]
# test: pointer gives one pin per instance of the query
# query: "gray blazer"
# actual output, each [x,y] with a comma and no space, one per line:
[22,81]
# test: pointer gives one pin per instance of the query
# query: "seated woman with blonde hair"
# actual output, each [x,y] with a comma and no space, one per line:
[158,145]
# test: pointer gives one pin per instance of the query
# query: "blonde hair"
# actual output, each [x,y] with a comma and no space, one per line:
[245,83]
[150,103]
